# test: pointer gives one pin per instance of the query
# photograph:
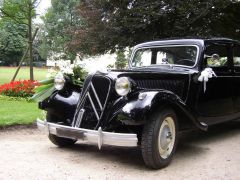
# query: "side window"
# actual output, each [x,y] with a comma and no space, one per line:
[164,58]
[142,58]
[160,57]
[236,56]
[217,56]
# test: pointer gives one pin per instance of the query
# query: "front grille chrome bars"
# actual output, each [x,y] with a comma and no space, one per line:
[91,101]
[91,97]
[80,116]
[93,106]
[96,96]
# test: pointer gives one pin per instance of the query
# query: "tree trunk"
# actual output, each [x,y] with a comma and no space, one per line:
[24,56]
[30,42]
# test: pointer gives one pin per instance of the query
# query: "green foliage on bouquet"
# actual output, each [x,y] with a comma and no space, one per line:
[75,73]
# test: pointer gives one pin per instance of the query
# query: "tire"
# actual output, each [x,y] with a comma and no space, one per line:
[58,141]
[159,139]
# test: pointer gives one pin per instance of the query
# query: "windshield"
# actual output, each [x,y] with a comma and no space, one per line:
[173,55]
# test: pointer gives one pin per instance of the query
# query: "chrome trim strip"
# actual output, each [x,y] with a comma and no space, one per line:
[81,101]
[79,118]
[96,96]
[100,138]
[97,137]
[94,108]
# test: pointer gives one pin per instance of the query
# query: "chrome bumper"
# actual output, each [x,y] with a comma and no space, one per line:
[98,137]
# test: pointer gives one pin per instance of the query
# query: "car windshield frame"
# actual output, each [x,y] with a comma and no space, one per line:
[166,64]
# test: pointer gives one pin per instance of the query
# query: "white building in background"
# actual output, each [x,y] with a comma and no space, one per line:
[91,64]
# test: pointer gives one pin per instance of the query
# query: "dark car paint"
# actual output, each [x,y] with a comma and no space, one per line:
[62,106]
[213,106]
[137,112]
[217,104]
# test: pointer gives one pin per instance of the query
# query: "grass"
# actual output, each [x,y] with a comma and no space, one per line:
[16,112]
[6,74]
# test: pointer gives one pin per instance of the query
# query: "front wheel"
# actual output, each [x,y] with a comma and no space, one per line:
[159,139]
[60,141]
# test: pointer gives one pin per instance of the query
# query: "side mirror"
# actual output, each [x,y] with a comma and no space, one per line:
[215,57]
[213,60]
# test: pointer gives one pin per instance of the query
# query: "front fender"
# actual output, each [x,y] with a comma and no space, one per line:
[137,110]
[61,105]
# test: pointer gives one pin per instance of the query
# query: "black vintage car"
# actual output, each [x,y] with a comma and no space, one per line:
[170,86]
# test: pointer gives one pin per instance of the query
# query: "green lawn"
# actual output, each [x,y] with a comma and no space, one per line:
[6,74]
[13,112]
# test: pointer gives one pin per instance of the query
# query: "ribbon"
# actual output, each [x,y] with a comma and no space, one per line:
[205,75]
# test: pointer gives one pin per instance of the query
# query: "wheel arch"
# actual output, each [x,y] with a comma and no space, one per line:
[138,110]
[185,120]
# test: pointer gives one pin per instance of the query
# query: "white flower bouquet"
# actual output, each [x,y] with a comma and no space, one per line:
[56,78]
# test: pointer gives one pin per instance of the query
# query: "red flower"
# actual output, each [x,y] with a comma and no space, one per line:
[19,88]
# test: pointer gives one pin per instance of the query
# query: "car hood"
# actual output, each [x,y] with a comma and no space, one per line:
[174,80]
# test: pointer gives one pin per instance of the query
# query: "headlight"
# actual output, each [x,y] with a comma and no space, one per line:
[59,81]
[122,86]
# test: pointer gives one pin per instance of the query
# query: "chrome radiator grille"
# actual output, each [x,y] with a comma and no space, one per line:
[92,103]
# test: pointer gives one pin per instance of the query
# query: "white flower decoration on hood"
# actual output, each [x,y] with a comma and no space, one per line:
[67,70]
[65,67]
[205,75]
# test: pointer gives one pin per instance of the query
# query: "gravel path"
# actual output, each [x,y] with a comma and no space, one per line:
[27,154]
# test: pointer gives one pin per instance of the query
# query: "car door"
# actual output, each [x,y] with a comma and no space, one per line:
[216,104]
[236,64]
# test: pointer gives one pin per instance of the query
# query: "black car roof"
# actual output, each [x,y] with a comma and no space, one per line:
[200,42]
[225,40]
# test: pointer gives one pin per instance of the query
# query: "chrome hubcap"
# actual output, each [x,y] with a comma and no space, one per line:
[166,137]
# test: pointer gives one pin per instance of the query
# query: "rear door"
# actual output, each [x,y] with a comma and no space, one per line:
[217,101]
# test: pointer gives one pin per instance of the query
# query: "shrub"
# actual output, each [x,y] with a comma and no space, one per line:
[18,88]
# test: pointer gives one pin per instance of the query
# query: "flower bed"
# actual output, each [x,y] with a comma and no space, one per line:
[18,88]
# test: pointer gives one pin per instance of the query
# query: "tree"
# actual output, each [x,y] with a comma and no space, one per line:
[21,12]
[41,44]
[228,22]
[60,23]
[111,25]
[121,61]
[12,42]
